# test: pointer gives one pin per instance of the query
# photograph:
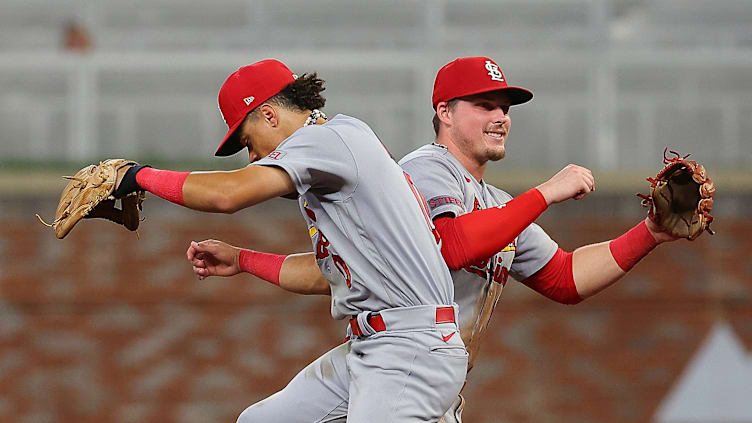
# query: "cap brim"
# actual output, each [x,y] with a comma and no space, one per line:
[518,95]
[230,144]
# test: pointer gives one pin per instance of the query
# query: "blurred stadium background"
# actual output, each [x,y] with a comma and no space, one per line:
[104,327]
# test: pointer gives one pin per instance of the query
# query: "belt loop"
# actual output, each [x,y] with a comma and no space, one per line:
[445,314]
[365,326]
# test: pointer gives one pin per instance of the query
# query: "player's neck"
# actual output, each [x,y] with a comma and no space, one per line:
[474,167]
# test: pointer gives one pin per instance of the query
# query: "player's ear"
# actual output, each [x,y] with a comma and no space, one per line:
[269,114]
[443,112]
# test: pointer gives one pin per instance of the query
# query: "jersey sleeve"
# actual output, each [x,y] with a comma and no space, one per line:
[534,249]
[318,160]
[438,184]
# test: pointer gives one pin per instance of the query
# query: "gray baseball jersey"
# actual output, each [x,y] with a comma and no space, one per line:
[375,243]
[449,188]
[370,230]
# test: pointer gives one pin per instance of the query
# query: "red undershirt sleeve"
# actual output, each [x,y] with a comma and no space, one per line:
[478,235]
[555,280]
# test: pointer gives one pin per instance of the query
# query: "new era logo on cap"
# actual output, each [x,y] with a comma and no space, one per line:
[248,100]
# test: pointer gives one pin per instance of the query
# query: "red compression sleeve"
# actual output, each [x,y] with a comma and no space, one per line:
[629,248]
[555,280]
[167,184]
[480,234]
[264,265]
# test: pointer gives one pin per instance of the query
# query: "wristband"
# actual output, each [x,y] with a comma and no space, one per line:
[166,184]
[629,248]
[263,265]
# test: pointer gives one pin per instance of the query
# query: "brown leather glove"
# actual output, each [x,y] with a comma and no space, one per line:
[681,197]
[89,195]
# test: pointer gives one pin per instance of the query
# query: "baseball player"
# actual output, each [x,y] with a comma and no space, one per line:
[373,240]
[486,233]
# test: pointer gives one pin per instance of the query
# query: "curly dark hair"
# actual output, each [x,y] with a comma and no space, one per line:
[302,94]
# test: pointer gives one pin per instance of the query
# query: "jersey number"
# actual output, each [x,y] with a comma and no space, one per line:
[322,251]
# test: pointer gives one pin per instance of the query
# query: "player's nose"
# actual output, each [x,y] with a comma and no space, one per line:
[500,115]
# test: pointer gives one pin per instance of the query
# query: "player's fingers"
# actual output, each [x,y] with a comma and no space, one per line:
[591,179]
[199,263]
[586,177]
[590,184]
[584,190]
[199,248]
[191,250]
[201,272]
[200,277]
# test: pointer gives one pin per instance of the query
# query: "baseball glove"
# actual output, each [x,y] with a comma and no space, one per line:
[89,195]
[681,197]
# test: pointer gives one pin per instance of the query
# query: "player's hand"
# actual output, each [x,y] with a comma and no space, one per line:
[213,258]
[571,182]
[657,233]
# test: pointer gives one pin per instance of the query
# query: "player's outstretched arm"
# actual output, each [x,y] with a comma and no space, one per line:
[571,277]
[297,273]
[301,274]
[597,266]
[478,235]
[216,192]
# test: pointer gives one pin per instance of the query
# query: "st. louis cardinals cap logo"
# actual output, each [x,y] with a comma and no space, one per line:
[474,75]
[494,72]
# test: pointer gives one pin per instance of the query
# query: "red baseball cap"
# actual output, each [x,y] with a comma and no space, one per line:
[474,75]
[246,89]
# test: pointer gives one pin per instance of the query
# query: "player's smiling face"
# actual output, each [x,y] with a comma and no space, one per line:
[480,125]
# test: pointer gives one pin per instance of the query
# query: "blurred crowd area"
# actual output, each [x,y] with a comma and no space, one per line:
[615,81]
[110,326]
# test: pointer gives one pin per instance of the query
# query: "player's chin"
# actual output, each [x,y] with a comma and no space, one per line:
[496,152]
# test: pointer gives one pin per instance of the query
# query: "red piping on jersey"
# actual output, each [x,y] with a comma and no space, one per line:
[555,280]
[480,234]
[167,184]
